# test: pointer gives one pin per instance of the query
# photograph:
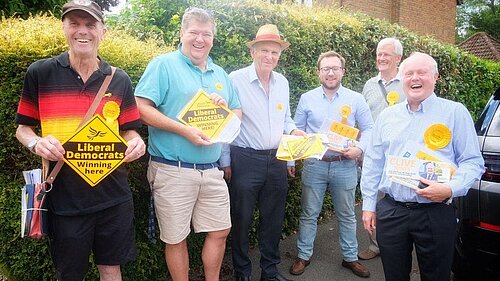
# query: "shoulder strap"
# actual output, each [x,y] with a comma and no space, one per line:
[97,100]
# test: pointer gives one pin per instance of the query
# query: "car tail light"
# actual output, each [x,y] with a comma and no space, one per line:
[489,226]
[492,164]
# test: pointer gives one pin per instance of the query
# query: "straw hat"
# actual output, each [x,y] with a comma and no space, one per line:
[269,33]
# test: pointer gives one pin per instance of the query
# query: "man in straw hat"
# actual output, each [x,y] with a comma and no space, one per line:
[256,176]
[57,94]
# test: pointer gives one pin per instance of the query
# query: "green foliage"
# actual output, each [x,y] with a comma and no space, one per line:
[25,8]
[476,16]
[156,19]
[488,21]
[464,78]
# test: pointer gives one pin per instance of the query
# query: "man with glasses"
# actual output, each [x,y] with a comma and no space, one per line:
[187,186]
[336,171]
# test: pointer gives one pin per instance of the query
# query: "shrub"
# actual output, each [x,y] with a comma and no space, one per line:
[464,78]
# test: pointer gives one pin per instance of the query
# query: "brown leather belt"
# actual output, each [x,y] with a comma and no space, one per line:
[334,158]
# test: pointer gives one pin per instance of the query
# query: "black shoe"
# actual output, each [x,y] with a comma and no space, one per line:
[278,277]
[242,278]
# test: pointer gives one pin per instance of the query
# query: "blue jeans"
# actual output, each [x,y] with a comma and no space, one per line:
[340,177]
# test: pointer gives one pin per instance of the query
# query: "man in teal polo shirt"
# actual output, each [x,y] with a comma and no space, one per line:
[187,186]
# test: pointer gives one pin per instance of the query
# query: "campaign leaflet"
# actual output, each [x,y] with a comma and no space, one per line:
[219,123]
[408,171]
[297,147]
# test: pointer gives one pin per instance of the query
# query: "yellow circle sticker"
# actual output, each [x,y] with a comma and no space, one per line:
[437,136]
[392,97]
[219,86]
[280,107]
[111,110]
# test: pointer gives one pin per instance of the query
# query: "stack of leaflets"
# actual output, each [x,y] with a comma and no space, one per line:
[338,136]
[219,123]
[296,147]
[337,142]
[33,179]
[409,171]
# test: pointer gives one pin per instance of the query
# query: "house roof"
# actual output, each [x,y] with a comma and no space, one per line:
[482,45]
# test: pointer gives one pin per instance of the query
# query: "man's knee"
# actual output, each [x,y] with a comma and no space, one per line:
[220,234]
[109,272]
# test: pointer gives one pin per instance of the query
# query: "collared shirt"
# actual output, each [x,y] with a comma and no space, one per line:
[266,117]
[400,132]
[315,107]
[170,81]
[55,97]
[376,98]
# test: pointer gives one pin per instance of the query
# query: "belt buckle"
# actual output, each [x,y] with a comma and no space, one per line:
[411,205]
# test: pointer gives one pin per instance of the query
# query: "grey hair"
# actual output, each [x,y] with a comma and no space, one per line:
[431,60]
[200,15]
[398,48]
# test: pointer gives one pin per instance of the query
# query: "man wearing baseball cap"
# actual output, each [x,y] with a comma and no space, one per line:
[256,176]
[57,93]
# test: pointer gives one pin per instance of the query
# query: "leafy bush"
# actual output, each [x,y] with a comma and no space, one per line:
[464,78]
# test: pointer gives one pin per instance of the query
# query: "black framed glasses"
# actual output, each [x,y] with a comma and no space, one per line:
[333,68]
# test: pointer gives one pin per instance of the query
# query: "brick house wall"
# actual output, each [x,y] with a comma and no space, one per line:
[426,17]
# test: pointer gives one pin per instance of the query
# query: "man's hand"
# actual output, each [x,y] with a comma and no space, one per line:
[218,100]
[435,191]
[196,136]
[136,148]
[354,153]
[291,171]
[369,221]
[297,132]
[227,173]
[49,148]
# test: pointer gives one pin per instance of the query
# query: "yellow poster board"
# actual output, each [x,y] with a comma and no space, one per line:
[201,113]
[94,150]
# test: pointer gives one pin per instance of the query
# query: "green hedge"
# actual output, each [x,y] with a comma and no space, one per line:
[311,31]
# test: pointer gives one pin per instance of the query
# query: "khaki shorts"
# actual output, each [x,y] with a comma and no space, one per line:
[185,196]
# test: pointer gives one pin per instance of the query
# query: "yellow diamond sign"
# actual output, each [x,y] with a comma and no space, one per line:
[94,150]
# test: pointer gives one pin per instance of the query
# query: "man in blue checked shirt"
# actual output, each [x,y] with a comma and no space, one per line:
[336,171]
[429,125]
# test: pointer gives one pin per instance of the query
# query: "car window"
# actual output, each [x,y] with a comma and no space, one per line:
[494,129]
[486,118]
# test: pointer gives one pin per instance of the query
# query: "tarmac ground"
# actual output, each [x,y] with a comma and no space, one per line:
[326,261]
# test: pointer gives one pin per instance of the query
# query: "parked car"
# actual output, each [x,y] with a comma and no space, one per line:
[477,249]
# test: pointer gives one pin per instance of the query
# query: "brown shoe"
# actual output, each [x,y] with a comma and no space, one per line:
[367,255]
[357,268]
[299,266]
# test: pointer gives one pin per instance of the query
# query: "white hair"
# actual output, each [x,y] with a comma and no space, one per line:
[428,58]
[398,48]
